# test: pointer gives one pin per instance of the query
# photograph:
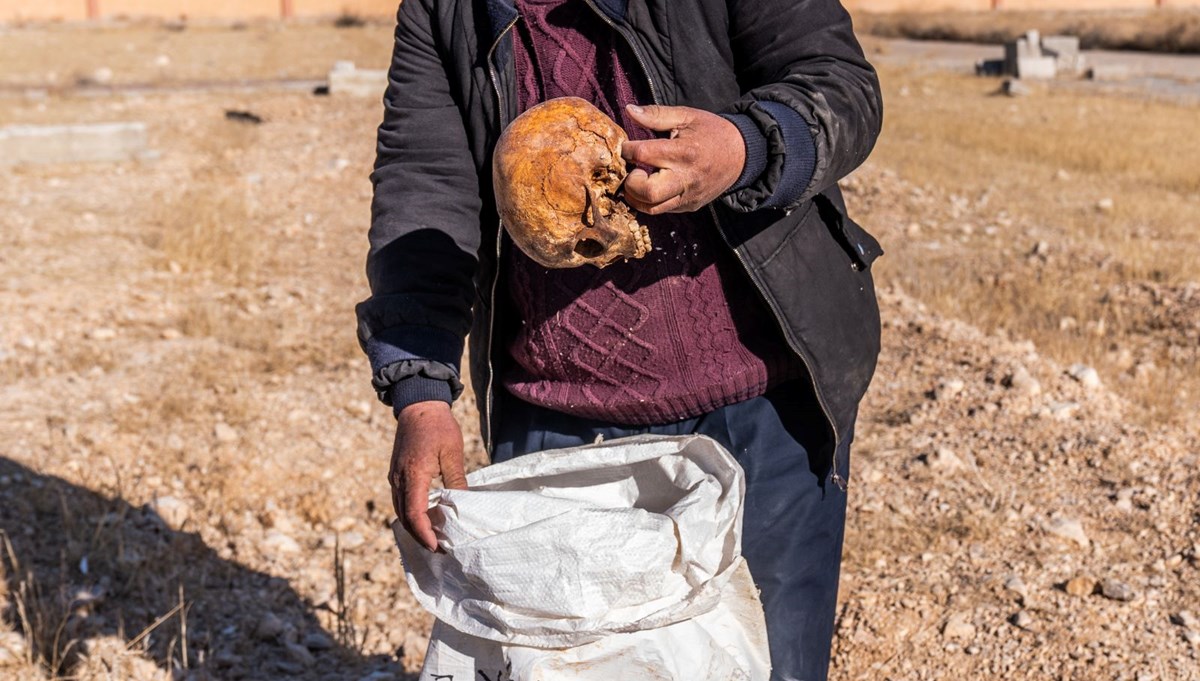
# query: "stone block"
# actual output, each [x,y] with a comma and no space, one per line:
[1065,50]
[96,142]
[1036,68]
[346,79]
[1060,45]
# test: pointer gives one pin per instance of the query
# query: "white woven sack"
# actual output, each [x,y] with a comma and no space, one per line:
[615,560]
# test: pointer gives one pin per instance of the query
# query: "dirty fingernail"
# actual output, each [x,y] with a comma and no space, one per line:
[634,108]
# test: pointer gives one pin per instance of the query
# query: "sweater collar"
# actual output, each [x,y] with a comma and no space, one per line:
[501,13]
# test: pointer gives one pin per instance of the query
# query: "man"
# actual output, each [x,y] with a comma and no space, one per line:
[752,321]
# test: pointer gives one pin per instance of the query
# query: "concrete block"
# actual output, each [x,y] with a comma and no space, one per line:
[1065,50]
[346,79]
[1037,68]
[72,143]
[1060,45]
[1018,49]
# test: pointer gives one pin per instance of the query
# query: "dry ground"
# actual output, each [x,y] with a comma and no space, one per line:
[192,464]
[1152,30]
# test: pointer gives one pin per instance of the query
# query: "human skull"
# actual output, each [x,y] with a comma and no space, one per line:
[556,172]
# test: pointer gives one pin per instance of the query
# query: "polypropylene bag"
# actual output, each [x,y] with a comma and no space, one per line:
[616,560]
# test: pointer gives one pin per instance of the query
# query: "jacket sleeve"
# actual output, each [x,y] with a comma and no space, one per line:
[424,225]
[809,92]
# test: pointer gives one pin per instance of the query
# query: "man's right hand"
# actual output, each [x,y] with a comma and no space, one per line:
[428,443]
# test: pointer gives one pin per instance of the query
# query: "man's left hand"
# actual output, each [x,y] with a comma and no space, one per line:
[701,160]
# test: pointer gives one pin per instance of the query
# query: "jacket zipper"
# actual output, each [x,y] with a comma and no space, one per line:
[637,55]
[491,372]
[792,343]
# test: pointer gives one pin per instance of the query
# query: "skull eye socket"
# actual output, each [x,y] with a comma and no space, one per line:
[589,248]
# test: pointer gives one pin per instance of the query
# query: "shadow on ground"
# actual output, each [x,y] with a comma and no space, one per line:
[82,566]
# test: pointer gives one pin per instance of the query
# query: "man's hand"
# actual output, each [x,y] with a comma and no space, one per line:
[703,157]
[428,443]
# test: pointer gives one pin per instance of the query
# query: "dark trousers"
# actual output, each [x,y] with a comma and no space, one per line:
[794,517]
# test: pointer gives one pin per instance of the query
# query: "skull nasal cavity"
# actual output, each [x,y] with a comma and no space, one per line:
[589,248]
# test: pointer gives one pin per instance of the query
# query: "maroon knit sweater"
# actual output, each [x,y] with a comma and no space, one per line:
[678,333]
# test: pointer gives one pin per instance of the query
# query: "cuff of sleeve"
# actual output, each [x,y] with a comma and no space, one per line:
[756,150]
[418,388]
[791,159]
[800,155]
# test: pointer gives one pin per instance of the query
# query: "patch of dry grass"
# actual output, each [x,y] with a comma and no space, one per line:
[1029,213]
[209,227]
[1160,30]
[56,56]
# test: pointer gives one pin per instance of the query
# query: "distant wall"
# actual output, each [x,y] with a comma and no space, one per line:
[883,6]
[80,10]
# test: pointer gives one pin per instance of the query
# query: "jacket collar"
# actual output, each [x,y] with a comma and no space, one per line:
[501,13]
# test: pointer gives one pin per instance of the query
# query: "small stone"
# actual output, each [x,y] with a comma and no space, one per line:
[162,61]
[1086,375]
[1105,205]
[12,649]
[949,388]
[913,229]
[174,512]
[317,641]
[102,76]
[171,334]
[300,654]
[1116,590]
[944,459]
[269,627]
[1174,561]
[972,650]
[1013,87]
[280,543]
[175,443]
[1017,585]
[1024,383]
[225,433]
[1062,175]
[1081,586]
[343,524]
[1192,636]
[1125,499]
[351,540]
[102,334]
[1188,620]
[359,408]
[1063,410]
[958,626]
[1021,619]
[1069,529]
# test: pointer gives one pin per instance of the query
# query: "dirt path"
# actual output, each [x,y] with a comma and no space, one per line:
[1172,76]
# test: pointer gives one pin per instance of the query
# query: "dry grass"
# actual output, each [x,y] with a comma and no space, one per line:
[56,56]
[997,176]
[1163,30]
[210,226]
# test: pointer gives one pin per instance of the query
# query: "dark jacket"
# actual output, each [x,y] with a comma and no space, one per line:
[436,238]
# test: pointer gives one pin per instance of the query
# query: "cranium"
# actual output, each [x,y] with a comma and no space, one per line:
[556,172]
